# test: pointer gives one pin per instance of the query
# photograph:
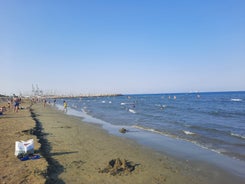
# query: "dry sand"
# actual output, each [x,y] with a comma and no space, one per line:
[79,153]
[12,169]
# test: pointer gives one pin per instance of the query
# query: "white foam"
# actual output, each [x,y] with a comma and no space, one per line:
[155,131]
[161,106]
[132,111]
[147,129]
[205,147]
[237,135]
[236,99]
[188,132]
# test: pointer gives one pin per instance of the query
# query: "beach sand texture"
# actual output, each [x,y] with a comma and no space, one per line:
[15,127]
[77,152]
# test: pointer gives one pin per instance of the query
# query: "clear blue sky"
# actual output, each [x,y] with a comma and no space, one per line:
[122,46]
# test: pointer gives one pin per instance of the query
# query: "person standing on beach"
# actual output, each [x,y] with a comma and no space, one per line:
[65,106]
[9,104]
[16,104]
[44,103]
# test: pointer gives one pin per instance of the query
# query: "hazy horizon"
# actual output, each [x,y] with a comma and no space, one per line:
[25,94]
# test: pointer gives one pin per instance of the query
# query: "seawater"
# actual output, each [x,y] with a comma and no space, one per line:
[214,121]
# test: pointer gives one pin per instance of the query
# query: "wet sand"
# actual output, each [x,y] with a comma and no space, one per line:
[77,152]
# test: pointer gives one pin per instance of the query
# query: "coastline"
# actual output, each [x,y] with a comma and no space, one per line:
[83,149]
[180,149]
[76,151]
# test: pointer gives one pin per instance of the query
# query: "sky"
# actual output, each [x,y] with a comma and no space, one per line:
[122,46]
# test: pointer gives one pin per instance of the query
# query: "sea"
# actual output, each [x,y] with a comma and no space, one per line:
[206,124]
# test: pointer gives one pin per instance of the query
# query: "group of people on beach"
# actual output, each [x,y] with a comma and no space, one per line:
[15,103]
[64,104]
[45,102]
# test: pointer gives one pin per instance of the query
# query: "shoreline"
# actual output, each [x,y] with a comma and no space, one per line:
[177,148]
[75,151]
[216,174]
[96,150]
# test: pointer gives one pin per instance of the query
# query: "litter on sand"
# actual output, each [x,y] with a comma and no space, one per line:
[28,157]
[24,150]
[24,147]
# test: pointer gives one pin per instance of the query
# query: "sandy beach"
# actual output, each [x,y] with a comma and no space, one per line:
[76,152]
[15,127]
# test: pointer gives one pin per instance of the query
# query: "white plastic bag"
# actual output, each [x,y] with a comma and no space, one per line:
[24,147]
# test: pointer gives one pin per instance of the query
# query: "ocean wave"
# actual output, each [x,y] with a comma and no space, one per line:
[188,132]
[214,130]
[236,99]
[127,104]
[161,106]
[132,111]
[208,147]
[237,135]
[203,146]
[148,129]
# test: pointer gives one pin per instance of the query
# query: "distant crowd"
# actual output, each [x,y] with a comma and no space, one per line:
[15,101]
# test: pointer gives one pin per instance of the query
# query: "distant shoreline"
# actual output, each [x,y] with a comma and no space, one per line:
[119,94]
[82,96]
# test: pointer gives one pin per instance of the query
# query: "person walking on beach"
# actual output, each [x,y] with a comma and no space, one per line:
[65,106]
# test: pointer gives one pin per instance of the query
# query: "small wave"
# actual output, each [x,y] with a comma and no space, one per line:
[132,111]
[188,132]
[147,129]
[236,99]
[207,147]
[103,101]
[237,135]
[155,131]
[203,146]
[84,110]
[123,103]
[161,106]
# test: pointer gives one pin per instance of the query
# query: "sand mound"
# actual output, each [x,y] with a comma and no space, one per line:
[118,167]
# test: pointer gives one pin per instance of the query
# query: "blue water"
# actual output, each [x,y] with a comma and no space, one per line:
[214,121]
